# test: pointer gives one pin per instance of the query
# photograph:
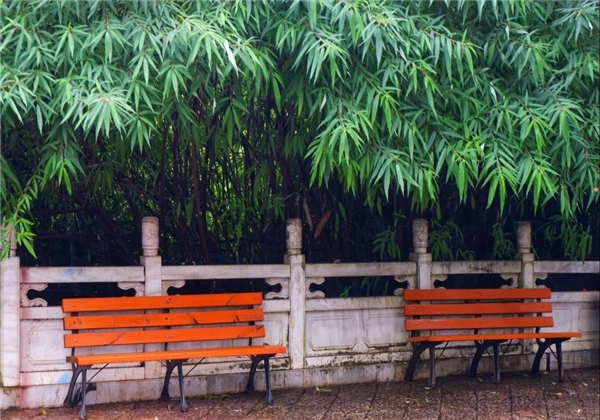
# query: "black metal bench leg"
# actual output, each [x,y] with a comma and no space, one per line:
[83,412]
[559,359]
[432,365]
[183,404]
[164,395]
[412,363]
[70,398]
[481,348]
[496,346]
[250,385]
[269,397]
[542,347]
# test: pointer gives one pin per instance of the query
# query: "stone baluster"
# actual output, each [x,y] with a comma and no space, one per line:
[297,292]
[526,277]
[150,260]
[10,358]
[420,254]
[152,263]
[524,254]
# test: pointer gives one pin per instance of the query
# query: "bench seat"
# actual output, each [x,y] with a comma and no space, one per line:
[499,337]
[100,359]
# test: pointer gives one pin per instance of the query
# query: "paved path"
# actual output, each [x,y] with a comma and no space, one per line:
[518,397]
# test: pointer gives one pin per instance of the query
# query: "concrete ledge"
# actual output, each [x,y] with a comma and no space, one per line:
[149,389]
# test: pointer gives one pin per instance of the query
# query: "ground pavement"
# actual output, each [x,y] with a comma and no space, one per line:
[518,396]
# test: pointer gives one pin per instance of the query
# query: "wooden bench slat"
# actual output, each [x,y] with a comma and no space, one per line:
[476,294]
[163,336]
[478,323]
[507,336]
[95,359]
[96,322]
[160,302]
[478,308]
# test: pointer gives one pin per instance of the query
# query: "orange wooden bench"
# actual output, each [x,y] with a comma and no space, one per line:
[95,323]
[488,317]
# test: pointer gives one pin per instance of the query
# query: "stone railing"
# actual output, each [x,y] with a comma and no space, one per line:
[329,340]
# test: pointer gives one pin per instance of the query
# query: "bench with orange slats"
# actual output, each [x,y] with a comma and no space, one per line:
[96,323]
[488,317]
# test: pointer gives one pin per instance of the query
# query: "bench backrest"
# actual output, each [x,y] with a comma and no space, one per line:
[465,309]
[122,320]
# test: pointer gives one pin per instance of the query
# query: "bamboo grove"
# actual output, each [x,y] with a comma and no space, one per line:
[224,118]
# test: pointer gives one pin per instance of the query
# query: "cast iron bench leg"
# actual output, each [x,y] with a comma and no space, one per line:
[559,358]
[412,363]
[542,347]
[70,399]
[250,386]
[496,346]
[183,404]
[83,412]
[432,365]
[481,348]
[255,361]
[269,397]
[164,395]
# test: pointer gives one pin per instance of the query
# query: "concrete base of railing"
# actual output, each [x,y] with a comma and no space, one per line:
[149,389]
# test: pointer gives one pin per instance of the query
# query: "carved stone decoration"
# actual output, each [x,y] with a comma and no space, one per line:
[284,293]
[523,237]
[136,285]
[437,281]
[166,284]
[31,303]
[420,236]
[294,236]
[150,236]
[540,276]
[402,279]
[317,294]
[510,276]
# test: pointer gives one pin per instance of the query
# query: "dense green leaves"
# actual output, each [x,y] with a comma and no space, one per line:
[384,97]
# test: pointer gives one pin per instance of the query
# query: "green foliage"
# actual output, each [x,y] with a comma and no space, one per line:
[207,113]
[386,243]
[503,246]
[576,240]
[446,243]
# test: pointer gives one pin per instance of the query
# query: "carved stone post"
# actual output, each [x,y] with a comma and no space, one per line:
[10,357]
[153,279]
[526,279]
[150,260]
[297,290]
[420,254]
